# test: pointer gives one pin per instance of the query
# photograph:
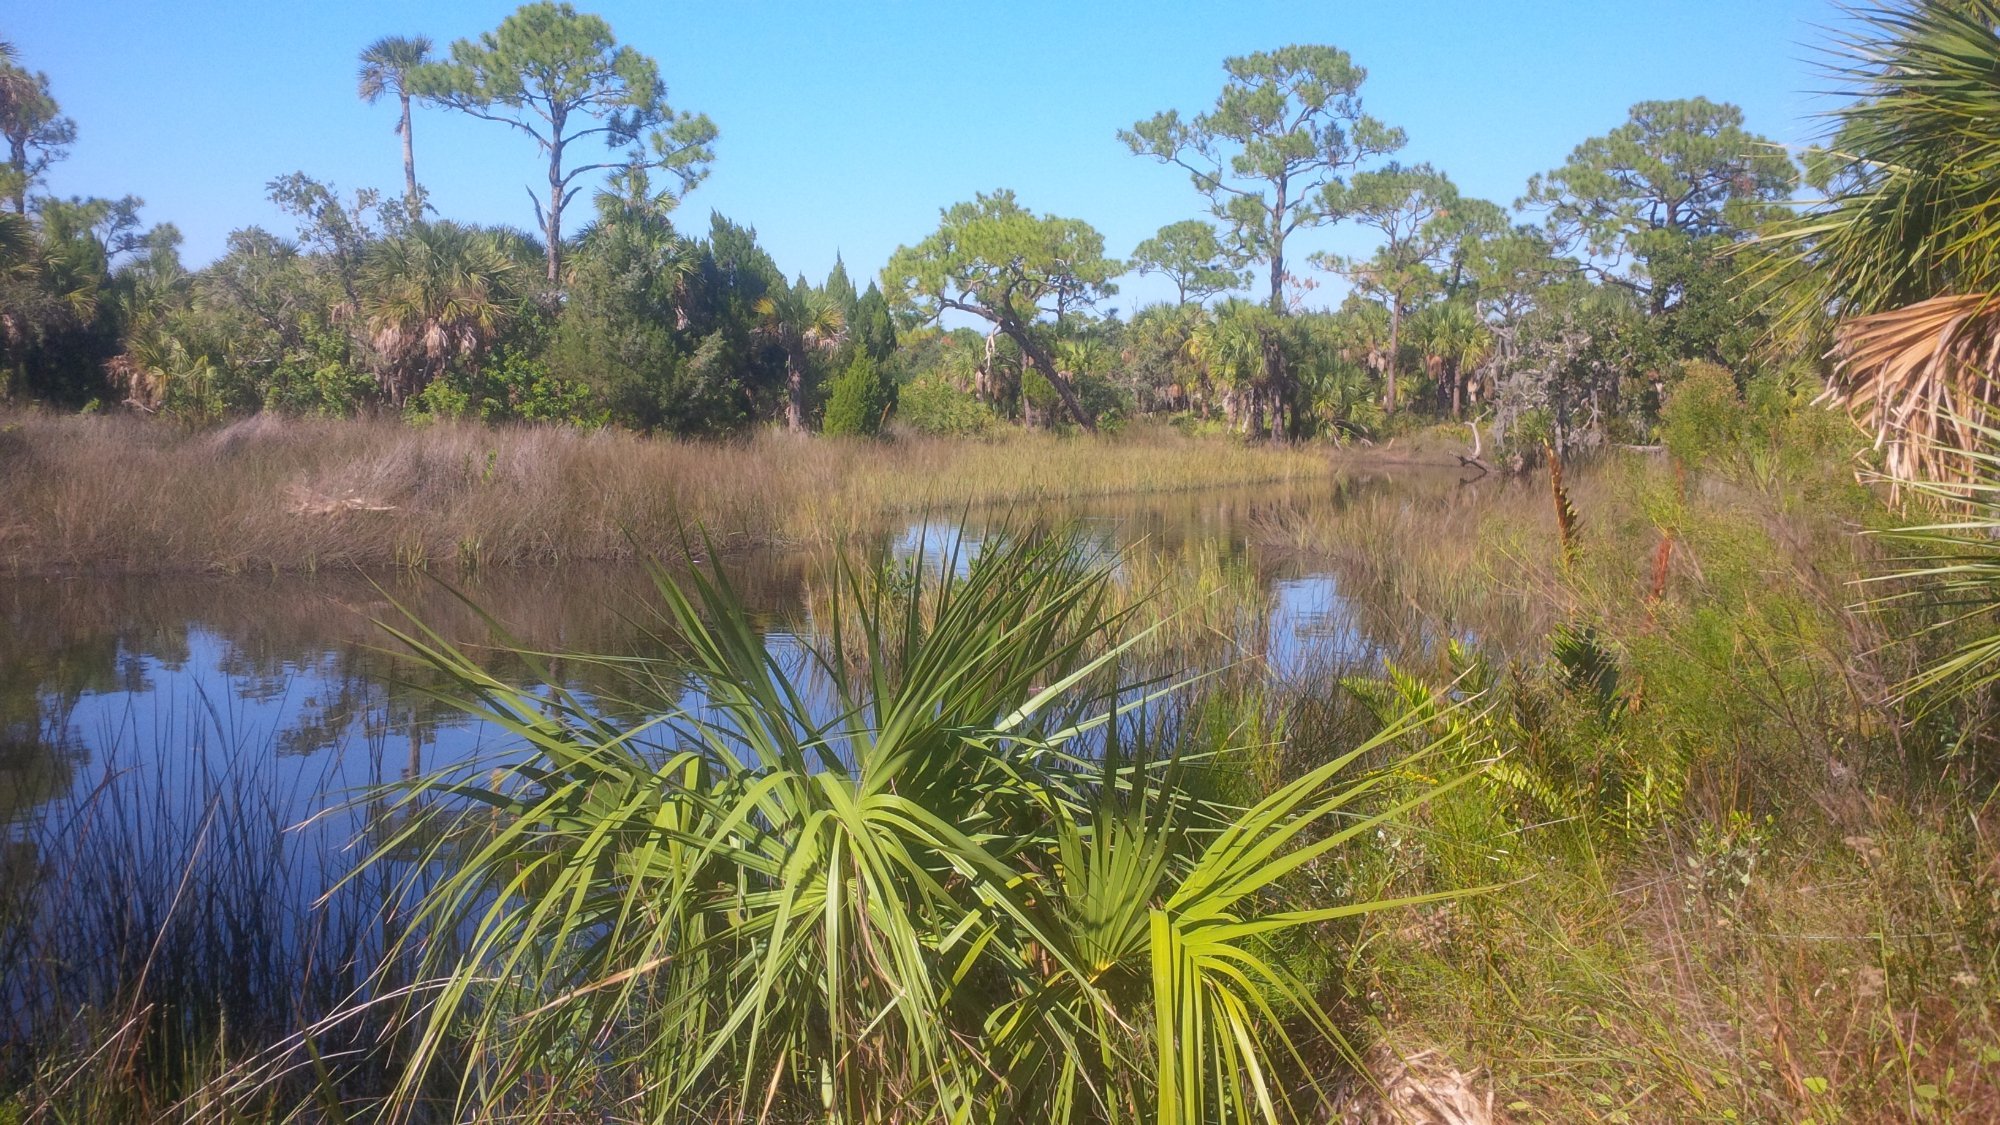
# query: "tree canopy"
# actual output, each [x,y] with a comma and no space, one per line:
[1675,171]
[1189,254]
[996,260]
[37,133]
[1287,124]
[561,77]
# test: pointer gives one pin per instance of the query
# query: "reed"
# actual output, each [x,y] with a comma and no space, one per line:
[119,495]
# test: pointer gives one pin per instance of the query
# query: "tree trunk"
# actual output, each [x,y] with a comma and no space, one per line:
[410,198]
[553,227]
[1277,385]
[18,157]
[1039,358]
[795,392]
[1395,353]
[1457,388]
[1278,250]
[1278,275]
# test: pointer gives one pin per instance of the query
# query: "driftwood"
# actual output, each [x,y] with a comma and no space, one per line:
[306,502]
[1473,462]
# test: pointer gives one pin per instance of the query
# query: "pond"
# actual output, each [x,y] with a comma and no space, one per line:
[153,726]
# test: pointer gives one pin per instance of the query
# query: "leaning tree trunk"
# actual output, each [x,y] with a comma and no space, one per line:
[1039,358]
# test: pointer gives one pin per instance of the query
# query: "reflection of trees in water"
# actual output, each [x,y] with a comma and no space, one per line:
[43,672]
[311,643]
[60,639]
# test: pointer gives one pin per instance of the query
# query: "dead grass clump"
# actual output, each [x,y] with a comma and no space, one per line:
[1419,1089]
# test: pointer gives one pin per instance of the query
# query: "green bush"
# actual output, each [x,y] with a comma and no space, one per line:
[861,401]
[1703,413]
[930,404]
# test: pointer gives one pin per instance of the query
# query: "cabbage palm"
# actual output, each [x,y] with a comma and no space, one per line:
[1905,251]
[385,68]
[436,294]
[1453,340]
[1233,346]
[1906,254]
[919,898]
[804,323]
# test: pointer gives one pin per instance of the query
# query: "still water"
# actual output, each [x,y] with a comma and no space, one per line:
[149,725]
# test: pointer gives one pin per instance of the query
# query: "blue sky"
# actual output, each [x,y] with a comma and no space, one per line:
[846,126]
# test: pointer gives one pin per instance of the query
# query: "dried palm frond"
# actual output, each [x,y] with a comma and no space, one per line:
[1920,378]
[1422,1089]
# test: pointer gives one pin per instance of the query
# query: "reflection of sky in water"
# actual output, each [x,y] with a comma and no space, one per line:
[267,689]
[1311,627]
[331,725]
[938,538]
[142,702]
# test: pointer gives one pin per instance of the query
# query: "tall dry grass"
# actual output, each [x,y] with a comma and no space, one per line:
[126,495]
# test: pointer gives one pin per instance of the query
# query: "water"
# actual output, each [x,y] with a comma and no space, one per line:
[144,720]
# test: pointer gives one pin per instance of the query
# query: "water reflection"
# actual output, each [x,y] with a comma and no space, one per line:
[144,720]
[299,665]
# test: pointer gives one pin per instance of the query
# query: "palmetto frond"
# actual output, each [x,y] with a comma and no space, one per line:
[17,244]
[915,899]
[1956,563]
[802,318]
[436,293]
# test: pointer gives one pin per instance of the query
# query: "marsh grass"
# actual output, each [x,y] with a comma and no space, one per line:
[1740,874]
[1766,896]
[162,946]
[120,495]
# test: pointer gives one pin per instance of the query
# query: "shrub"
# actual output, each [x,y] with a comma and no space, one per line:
[929,403]
[1703,413]
[861,401]
[935,895]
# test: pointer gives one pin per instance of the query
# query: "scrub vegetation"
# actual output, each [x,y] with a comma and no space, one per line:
[1652,780]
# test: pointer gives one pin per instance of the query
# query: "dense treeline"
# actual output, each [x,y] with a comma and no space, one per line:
[1562,318]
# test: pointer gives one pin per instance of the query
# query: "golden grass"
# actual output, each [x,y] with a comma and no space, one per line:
[127,495]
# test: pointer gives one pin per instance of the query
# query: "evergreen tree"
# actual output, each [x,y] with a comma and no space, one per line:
[863,396]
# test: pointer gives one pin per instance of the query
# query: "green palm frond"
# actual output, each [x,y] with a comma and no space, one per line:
[386,65]
[1954,564]
[1904,251]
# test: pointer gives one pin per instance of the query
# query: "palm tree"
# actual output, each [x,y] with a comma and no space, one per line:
[1233,346]
[438,293]
[385,67]
[803,322]
[1453,339]
[1905,250]
[1905,254]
